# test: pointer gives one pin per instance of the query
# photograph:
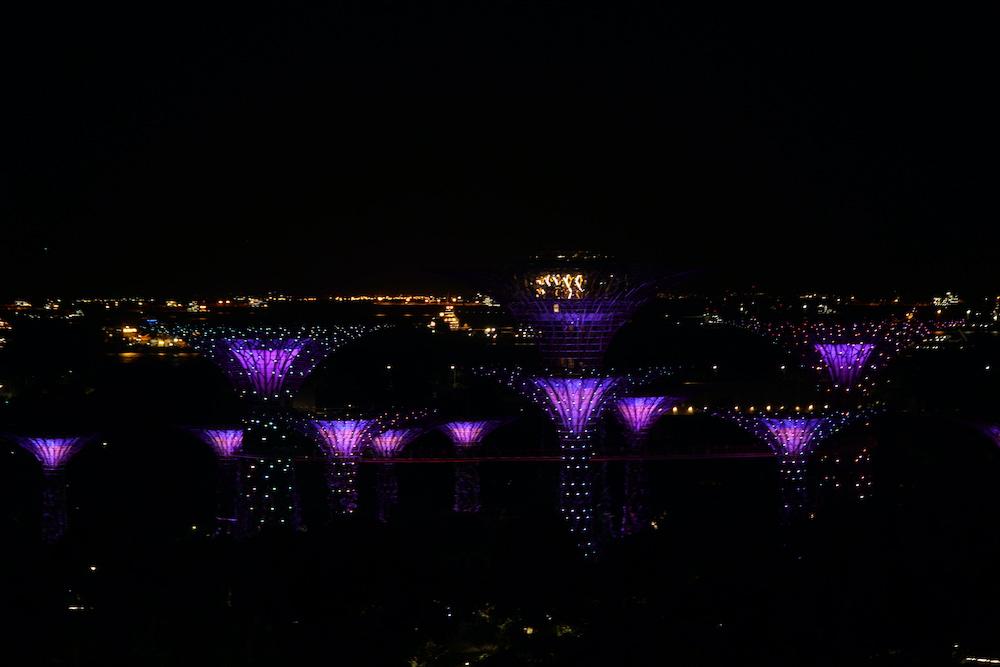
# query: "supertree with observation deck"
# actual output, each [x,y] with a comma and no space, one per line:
[848,355]
[793,435]
[467,436]
[226,443]
[53,453]
[637,415]
[268,364]
[343,441]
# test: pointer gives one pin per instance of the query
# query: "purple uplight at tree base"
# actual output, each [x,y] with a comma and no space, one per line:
[576,402]
[845,361]
[638,413]
[468,433]
[225,442]
[391,442]
[343,437]
[52,453]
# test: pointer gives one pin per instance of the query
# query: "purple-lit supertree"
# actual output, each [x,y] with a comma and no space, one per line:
[849,355]
[226,443]
[387,445]
[792,436]
[637,415]
[467,436]
[269,364]
[53,454]
[342,441]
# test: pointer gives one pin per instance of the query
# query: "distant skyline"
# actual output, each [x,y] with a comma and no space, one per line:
[356,149]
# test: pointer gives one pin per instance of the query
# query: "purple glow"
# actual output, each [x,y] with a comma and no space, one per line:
[391,442]
[575,402]
[267,363]
[52,453]
[225,442]
[845,361]
[793,436]
[468,434]
[343,437]
[638,413]
[993,431]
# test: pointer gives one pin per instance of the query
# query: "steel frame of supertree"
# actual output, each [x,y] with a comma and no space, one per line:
[388,444]
[793,436]
[575,404]
[638,414]
[343,440]
[466,436]
[270,364]
[226,443]
[53,454]
[575,313]
[849,354]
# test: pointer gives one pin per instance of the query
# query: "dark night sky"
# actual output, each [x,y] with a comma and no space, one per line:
[370,145]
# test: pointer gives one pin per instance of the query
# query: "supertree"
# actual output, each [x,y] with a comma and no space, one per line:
[387,445]
[269,364]
[793,435]
[226,443]
[467,436]
[637,415]
[53,454]
[270,500]
[849,354]
[342,441]
[575,306]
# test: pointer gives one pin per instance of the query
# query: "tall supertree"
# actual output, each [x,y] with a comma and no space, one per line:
[226,443]
[53,454]
[850,355]
[638,414]
[342,441]
[793,436]
[467,436]
[269,364]
[575,306]
[387,445]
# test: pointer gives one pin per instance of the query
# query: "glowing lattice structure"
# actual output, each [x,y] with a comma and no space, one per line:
[226,443]
[793,437]
[391,442]
[270,363]
[388,444]
[845,362]
[575,309]
[464,434]
[53,454]
[343,440]
[639,413]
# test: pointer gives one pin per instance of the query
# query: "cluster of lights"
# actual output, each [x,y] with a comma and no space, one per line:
[270,493]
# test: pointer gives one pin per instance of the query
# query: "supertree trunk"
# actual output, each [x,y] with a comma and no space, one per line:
[227,516]
[387,492]
[793,482]
[576,502]
[466,488]
[341,480]
[55,510]
[270,497]
[635,503]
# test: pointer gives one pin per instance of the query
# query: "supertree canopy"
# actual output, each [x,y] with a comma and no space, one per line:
[343,437]
[845,362]
[226,443]
[575,307]
[270,363]
[639,413]
[390,442]
[575,403]
[466,434]
[52,453]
